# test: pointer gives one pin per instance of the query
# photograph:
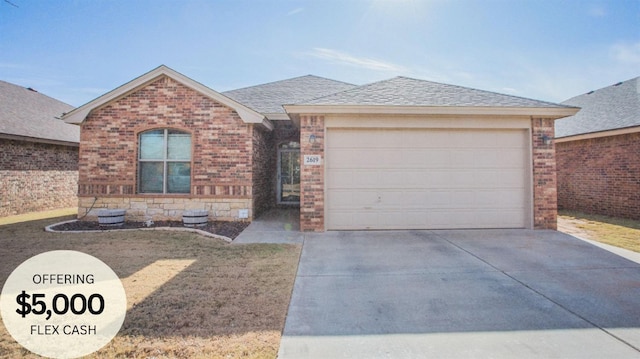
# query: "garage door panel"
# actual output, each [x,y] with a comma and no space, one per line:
[366,219]
[425,158]
[365,199]
[343,179]
[391,179]
[426,178]
[364,178]
[511,158]
[487,178]
[462,200]
[452,219]
[393,158]
[341,219]
[464,158]
[340,199]
[505,139]
[511,199]
[342,158]
[461,179]
[426,139]
[511,178]
[416,178]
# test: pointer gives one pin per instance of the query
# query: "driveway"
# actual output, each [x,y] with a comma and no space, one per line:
[461,294]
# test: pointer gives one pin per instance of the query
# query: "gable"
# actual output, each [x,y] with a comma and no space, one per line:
[247,115]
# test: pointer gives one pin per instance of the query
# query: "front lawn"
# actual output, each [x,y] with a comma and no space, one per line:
[188,296]
[624,233]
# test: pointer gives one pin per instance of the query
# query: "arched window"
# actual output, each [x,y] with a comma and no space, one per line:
[164,162]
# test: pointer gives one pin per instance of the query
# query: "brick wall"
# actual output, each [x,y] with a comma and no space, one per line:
[600,175]
[264,168]
[545,211]
[312,177]
[36,177]
[221,141]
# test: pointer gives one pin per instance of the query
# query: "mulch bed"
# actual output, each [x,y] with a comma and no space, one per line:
[227,229]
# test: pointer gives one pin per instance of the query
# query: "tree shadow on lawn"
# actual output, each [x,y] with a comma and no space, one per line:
[180,286]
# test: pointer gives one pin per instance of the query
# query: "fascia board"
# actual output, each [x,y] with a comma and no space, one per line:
[277,116]
[586,136]
[38,140]
[549,112]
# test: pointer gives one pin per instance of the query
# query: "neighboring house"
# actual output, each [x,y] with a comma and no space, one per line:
[395,154]
[38,152]
[598,152]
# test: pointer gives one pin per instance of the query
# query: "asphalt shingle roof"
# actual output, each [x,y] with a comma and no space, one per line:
[27,113]
[269,98]
[404,91]
[609,108]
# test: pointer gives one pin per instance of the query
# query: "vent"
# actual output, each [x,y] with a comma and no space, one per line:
[618,84]
[590,92]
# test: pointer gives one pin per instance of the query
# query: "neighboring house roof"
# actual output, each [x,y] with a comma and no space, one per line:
[403,94]
[269,98]
[247,114]
[613,107]
[26,114]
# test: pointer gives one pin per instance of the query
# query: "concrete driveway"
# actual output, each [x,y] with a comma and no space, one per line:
[461,294]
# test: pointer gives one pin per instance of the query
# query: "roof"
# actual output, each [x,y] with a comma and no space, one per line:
[269,98]
[247,114]
[29,115]
[609,108]
[408,95]
[404,91]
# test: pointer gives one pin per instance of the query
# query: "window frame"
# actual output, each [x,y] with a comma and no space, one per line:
[165,161]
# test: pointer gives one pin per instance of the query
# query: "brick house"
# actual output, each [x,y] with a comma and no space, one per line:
[598,152]
[38,152]
[401,153]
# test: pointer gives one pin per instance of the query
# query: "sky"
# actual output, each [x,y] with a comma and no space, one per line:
[552,50]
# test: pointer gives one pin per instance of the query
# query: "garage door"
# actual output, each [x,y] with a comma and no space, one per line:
[426,179]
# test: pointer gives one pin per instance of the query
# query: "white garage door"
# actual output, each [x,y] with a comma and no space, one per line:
[426,179]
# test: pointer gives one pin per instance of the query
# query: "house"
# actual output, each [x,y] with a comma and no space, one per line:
[395,154]
[598,152]
[38,152]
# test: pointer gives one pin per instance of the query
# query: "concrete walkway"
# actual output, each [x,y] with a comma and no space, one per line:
[461,294]
[275,226]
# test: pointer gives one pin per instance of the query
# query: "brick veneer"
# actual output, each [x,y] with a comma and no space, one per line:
[222,157]
[264,164]
[36,176]
[312,177]
[545,210]
[600,175]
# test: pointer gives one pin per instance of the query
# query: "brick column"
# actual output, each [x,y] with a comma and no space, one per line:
[312,177]
[545,192]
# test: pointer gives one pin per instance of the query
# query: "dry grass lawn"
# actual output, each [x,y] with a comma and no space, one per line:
[188,296]
[624,233]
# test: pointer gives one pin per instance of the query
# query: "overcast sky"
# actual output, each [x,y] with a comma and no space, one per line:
[550,50]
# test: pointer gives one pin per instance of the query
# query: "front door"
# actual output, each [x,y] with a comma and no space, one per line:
[289,173]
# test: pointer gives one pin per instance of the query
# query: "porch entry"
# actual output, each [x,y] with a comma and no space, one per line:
[289,173]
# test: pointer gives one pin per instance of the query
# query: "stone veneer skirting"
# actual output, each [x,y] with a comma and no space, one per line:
[163,208]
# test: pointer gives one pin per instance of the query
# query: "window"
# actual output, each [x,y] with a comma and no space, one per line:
[164,162]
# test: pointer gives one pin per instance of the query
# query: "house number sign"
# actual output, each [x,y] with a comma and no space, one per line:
[312,160]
